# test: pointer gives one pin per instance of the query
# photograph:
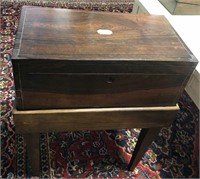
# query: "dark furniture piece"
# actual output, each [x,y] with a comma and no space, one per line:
[80,70]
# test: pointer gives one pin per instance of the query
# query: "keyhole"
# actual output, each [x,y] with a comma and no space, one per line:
[110,80]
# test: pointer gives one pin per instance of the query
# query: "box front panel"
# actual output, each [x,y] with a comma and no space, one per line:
[54,91]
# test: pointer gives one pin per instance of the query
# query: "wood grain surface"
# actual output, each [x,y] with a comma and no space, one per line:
[47,33]
[35,121]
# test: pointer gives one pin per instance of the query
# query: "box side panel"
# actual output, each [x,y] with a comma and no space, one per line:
[18,89]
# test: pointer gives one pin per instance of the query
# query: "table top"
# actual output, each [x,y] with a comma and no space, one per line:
[50,33]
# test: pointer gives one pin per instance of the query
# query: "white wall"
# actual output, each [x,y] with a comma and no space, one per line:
[188,28]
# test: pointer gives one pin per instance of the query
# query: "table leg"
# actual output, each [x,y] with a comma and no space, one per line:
[33,151]
[147,135]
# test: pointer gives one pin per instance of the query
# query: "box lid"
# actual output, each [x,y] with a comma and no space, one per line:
[50,33]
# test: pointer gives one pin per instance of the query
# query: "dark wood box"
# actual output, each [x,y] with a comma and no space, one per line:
[60,61]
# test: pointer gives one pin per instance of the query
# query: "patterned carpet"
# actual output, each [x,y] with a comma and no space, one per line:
[93,154]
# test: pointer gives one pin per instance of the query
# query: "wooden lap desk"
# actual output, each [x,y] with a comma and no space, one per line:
[70,77]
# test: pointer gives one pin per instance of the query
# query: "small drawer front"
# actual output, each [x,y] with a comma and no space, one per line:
[66,90]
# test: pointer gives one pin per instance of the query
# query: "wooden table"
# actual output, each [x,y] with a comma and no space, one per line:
[80,70]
